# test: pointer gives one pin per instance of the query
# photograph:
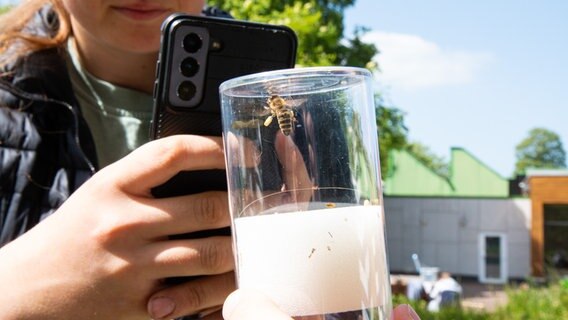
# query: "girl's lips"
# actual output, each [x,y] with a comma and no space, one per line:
[136,13]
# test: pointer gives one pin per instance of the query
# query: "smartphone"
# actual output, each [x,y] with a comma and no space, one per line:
[197,54]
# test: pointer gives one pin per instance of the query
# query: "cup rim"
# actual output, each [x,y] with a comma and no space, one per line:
[283,74]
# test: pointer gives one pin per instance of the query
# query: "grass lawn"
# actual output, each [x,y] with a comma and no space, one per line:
[525,303]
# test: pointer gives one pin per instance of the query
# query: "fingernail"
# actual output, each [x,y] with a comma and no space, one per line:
[161,307]
[230,304]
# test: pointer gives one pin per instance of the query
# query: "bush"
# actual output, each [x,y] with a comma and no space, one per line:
[448,313]
[525,303]
[545,303]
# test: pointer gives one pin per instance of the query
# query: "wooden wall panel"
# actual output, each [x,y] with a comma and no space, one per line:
[543,190]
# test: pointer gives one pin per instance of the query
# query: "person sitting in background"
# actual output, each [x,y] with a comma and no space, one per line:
[445,292]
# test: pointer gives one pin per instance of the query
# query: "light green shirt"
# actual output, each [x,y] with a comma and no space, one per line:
[118,117]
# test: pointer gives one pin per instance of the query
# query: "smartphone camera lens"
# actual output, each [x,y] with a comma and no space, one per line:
[189,67]
[186,90]
[192,42]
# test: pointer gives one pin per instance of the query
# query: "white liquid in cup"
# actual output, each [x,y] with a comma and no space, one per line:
[315,262]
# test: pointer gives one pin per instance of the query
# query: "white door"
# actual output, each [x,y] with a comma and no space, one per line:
[492,258]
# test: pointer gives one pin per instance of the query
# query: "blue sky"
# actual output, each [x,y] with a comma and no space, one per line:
[472,74]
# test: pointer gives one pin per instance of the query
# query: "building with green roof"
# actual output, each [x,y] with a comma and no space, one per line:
[467,223]
[469,177]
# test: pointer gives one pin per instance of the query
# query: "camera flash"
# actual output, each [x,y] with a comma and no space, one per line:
[216,45]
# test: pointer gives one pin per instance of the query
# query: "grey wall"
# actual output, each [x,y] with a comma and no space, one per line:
[444,232]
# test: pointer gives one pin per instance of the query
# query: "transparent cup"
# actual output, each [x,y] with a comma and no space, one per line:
[305,191]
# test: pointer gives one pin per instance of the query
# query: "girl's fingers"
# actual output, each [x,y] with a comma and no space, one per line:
[242,151]
[157,161]
[203,294]
[184,214]
[294,168]
[294,171]
[190,257]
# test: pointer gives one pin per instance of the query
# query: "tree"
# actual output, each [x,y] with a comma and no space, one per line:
[319,27]
[392,130]
[541,149]
[4,9]
[318,24]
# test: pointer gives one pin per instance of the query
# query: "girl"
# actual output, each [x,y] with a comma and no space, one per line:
[75,97]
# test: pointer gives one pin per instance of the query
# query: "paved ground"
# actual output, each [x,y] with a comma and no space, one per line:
[475,295]
[482,296]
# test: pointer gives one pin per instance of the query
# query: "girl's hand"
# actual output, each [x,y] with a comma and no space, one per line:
[106,250]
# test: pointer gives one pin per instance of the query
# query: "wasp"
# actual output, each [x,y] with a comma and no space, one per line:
[282,111]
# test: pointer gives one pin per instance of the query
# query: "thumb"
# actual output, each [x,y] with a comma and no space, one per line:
[157,161]
[246,304]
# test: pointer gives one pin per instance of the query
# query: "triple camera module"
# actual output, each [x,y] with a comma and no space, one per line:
[189,66]
[189,48]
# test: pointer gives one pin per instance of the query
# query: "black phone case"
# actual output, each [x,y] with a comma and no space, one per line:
[231,48]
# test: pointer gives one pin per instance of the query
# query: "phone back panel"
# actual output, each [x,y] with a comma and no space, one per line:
[245,48]
[230,48]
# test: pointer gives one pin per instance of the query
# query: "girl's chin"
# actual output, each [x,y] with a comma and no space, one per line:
[140,44]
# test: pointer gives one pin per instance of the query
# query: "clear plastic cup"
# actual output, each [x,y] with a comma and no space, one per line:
[305,192]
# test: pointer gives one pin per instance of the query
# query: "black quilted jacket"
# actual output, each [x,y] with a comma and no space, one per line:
[46,151]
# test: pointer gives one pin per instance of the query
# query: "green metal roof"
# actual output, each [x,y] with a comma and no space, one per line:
[469,177]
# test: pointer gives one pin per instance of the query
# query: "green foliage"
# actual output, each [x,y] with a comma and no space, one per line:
[429,159]
[544,303]
[4,9]
[450,313]
[319,27]
[318,24]
[564,284]
[524,303]
[357,52]
[541,149]
[392,130]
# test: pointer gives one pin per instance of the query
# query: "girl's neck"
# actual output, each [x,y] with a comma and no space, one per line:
[126,69]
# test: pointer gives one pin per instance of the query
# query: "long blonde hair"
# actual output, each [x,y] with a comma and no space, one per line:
[12,30]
